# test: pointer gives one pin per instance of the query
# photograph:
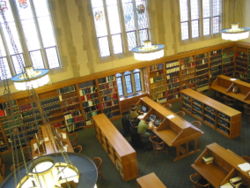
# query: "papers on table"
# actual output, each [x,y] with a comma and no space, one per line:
[141,116]
[244,167]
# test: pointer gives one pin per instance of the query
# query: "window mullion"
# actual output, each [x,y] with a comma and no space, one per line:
[42,50]
[124,85]
[133,82]
[111,51]
[8,56]
[201,17]
[123,28]
[137,35]
[211,17]
[189,20]
[27,60]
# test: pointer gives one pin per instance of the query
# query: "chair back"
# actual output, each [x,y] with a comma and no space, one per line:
[157,144]
[98,163]
[198,181]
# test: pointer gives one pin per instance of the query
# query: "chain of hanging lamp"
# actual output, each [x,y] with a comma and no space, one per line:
[15,140]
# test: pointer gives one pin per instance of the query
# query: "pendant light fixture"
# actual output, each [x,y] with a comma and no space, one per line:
[148,51]
[235,33]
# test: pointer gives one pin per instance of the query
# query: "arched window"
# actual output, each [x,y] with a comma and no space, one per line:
[129,83]
[28,35]
[199,18]
[120,25]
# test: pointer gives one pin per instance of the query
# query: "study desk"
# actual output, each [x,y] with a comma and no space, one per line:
[50,142]
[224,165]
[173,130]
[149,181]
[224,84]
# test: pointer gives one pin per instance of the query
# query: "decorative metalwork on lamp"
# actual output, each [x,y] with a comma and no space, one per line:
[46,173]
[148,51]
[31,78]
[235,33]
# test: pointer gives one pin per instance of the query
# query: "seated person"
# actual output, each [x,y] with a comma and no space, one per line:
[142,128]
[133,112]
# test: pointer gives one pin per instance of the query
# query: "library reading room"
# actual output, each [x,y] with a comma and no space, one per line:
[124,93]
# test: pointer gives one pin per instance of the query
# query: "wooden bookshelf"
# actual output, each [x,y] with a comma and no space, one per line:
[218,116]
[150,180]
[222,168]
[50,140]
[224,84]
[119,150]
[97,93]
[173,130]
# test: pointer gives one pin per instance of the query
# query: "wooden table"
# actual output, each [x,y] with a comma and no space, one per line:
[225,84]
[150,181]
[50,141]
[174,130]
[224,166]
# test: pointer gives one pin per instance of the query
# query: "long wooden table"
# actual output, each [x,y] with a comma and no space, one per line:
[223,168]
[174,130]
[50,142]
[149,181]
[225,84]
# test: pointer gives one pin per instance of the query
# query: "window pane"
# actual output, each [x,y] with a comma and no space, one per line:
[5,69]
[131,40]
[18,63]
[216,24]
[36,59]
[206,26]
[100,22]
[47,33]
[184,31]
[216,7]
[137,81]
[52,58]
[117,44]
[30,34]
[128,84]
[195,29]
[104,47]
[194,9]
[143,36]
[183,10]
[119,86]
[128,11]
[97,3]
[141,14]
[113,17]
[41,8]
[206,8]
[15,36]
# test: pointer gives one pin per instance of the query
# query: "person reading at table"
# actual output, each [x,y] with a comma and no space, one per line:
[142,128]
[133,112]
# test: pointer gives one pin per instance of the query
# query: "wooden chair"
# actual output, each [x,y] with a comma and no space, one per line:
[198,181]
[78,148]
[157,143]
[181,114]
[98,163]
[197,124]
[74,138]
[168,105]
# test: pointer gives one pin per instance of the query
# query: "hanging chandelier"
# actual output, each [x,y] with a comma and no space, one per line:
[31,78]
[235,33]
[148,51]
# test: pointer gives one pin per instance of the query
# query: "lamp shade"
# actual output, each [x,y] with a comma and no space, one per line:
[148,51]
[235,33]
[31,78]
